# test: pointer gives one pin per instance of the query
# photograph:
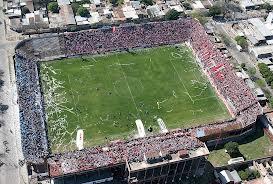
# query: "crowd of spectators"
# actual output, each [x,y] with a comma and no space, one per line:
[220,72]
[232,90]
[32,125]
[127,37]
[119,151]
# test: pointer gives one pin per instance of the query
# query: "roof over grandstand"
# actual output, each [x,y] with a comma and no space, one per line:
[131,151]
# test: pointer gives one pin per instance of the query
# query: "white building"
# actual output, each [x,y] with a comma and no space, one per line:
[262,52]
[94,17]
[251,4]
[129,12]
[155,11]
[35,20]
[256,31]
[228,177]
[197,5]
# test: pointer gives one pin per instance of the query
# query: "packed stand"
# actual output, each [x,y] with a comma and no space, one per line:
[127,37]
[33,130]
[119,152]
[220,72]
[230,88]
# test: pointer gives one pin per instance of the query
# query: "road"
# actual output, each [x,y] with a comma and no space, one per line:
[12,168]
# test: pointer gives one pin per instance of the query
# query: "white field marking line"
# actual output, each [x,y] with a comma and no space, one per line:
[128,87]
[174,94]
[203,83]
[158,103]
[224,109]
[118,64]
[73,98]
[195,68]
[60,125]
[196,111]
[205,98]
[151,63]
[94,59]
[187,93]
[86,67]
[170,110]
[125,64]
[207,86]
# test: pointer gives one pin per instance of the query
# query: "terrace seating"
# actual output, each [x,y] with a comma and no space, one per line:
[231,89]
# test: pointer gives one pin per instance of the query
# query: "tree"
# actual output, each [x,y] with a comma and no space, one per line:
[83,12]
[252,71]
[1,83]
[271,102]
[243,66]
[266,6]
[75,6]
[116,2]
[243,175]
[187,6]
[215,10]
[172,14]
[85,2]
[248,174]
[147,2]
[25,10]
[256,174]
[269,79]
[232,149]
[200,17]
[241,41]
[53,7]
[265,71]
[3,108]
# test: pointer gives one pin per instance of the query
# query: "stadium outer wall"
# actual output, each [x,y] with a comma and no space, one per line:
[30,52]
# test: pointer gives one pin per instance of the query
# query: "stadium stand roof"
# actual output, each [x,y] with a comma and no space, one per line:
[72,162]
[245,108]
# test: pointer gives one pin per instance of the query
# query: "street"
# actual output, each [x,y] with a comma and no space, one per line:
[12,166]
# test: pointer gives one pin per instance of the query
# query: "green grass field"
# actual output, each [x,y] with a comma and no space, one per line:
[104,95]
[255,146]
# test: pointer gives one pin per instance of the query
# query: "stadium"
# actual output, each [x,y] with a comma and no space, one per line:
[147,96]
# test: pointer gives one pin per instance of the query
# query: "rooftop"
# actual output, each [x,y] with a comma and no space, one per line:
[122,151]
[202,151]
[261,50]
[260,26]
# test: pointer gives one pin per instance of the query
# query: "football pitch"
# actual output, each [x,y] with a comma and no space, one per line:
[104,95]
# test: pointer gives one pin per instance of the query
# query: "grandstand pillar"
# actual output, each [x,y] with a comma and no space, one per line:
[200,159]
[190,168]
[161,170]
[168,172]
[183,169]
[152,178]
[75,180]
[175,171]
[145,174]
